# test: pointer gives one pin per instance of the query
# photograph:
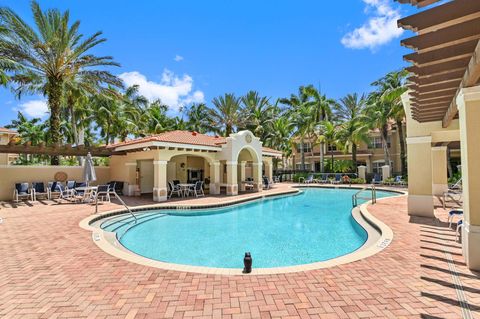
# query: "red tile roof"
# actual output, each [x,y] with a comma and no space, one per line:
[179,137]
[183,137]
[6,130]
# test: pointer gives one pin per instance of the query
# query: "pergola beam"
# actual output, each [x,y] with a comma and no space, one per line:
[453,35]
[471,77]
[66,150]
[445,15]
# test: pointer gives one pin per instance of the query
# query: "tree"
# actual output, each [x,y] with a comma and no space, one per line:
[225,116]
[198,118]
[48,55]
[301,116]
[31,132]
[393,86]
[330,137]
[259,113]
[280,137]
[322,110]
[352,131]
[377,115]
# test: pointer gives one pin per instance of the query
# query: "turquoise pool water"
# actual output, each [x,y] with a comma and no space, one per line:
[314,226]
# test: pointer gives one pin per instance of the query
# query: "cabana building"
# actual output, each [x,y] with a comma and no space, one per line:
[148,164]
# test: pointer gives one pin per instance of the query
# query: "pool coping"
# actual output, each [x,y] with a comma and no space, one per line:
[379,235]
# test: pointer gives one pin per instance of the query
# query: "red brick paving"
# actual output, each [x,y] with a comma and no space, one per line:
[50,268]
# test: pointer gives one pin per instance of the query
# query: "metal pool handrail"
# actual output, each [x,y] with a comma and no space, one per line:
[355,196]
[119,199]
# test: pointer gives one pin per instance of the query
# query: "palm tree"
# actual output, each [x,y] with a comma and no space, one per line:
[280,137]
[353,131]
[155,119]
[330,137]
[259,113]
[378,114]
[393,86]
[301,116]
[197,115]
[31,132]
[225,118]
[48,56]
[322,108]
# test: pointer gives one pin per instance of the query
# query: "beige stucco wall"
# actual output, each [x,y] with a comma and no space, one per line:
[9,175]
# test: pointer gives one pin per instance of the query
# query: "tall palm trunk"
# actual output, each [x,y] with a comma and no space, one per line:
[386,152]
[54,93]
[322,157]
[403,153]
[302,154]
[354,154]
[76,133]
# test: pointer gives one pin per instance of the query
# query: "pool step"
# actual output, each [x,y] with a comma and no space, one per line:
[112,224]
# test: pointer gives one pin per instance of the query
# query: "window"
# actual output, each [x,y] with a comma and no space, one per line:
[332,147]
[307,147]
[377,167]
[376,142]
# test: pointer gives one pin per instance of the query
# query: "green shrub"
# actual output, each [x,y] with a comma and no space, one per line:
[297,176]
[357,181]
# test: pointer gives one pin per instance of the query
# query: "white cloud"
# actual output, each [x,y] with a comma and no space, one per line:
[178,58]
[380,28]
[34,108]
[173,90]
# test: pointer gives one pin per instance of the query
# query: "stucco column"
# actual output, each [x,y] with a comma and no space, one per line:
[241,185]
[215,178]
[439,170]
[468,102]
[232,181]
[257,176]
[420,199]
[385,172]
[362,172]
[269,170]
[130,187]
[160,190]
[369,164]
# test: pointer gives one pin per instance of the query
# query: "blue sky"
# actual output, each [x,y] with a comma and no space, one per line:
[189,50]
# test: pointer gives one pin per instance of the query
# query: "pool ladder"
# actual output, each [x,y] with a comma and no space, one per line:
[109,193]
[373,197]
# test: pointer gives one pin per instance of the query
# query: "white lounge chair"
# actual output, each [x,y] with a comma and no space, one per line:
[22,191]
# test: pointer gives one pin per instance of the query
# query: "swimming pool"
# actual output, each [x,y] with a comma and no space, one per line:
[314,226]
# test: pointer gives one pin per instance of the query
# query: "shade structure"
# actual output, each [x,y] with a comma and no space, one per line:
[446,57]
[89,170]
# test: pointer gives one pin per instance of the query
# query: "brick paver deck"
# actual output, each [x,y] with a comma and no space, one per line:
[50,268]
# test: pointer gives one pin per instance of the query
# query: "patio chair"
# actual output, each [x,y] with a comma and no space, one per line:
[71,184]
[398,181]
[309,180]
[452,214]
[337,180]
[323,179]
[266,183]
[454,192]
[197,190]
[79,192]
[53,190]
[116,186]
[39,190]
[276,179]
[459,227]
[249,183]
[65,193]
[377,179]
[103,193]
[174,189]
[22,191]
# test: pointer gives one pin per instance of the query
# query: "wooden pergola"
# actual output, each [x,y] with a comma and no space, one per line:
[446,57]
[63,150]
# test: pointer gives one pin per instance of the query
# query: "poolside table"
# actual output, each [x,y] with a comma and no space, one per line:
[185,188]
[87,192]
